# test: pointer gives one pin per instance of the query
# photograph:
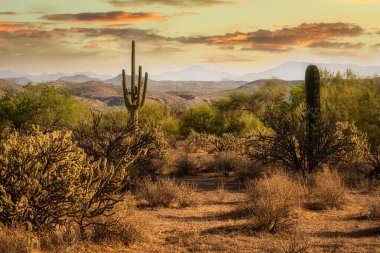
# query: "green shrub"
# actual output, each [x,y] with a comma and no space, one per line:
[201,119]
[40,105]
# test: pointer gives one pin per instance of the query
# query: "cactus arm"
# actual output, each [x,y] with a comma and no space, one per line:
[145,89]
[133,74]
[139,88]
[125,91]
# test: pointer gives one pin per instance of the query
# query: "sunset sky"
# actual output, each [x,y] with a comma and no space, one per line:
[237,36]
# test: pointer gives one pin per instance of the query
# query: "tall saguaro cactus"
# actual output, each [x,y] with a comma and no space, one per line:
[135,97]
[313,107]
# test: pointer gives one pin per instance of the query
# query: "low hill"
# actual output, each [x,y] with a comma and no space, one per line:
[77,78]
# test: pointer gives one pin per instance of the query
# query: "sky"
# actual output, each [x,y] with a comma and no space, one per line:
[237,36]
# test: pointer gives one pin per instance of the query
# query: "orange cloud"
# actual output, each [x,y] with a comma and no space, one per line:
[105,17]
[96,44]
[283,39]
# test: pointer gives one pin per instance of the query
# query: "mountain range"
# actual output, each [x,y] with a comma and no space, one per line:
[287,71]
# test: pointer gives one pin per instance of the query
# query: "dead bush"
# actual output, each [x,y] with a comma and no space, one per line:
[167,193]
[59,238]
[273,200]
[17,240]
[253,170]
[290,243]
[186,166]
[326,190]
[227,162]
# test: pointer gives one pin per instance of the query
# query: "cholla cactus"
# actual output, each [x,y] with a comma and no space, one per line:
[46,179]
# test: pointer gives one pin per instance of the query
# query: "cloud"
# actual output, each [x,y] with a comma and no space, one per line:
[180,3]
[120,33]
[105,17]
[376,46]
[8,13]
[20,30]
[96,44]
[335,45]
[283,39]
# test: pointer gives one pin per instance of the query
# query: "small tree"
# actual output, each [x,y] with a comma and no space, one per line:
[107,137]
[286,140]
[39,104]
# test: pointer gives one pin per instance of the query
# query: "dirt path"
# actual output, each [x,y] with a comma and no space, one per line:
[207,228]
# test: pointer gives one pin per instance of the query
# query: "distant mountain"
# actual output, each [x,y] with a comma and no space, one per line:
[23,78]
[288,71]
[116,80]
[77,78]
[94,75]
[18,80]
[296,70]
[195,73]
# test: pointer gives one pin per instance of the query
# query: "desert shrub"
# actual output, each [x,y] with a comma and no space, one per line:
[285,141]
[326,190]
[293,242]
[186,166]
[60,237]
[42,105]
[166,192]
[254,170]
[272,201]
[125,226]
[15,240]
[46,180]
[108,136]
[227,162]
[215,144]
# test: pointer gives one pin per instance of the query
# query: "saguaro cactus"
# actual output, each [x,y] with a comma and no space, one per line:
[135,97]
[313,107]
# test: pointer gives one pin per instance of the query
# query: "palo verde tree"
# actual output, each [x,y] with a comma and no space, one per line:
[135,97]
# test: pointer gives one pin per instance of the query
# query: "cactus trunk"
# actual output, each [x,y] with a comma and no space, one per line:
[313,107]
[135,98]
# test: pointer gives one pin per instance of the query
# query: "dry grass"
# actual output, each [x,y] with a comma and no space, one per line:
[290,243]
[273,200]
[16,240]
[124,227]
[326,190]
[167,193]
[373,207]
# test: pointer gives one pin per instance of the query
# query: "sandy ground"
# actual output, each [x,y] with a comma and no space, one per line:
[209,228]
